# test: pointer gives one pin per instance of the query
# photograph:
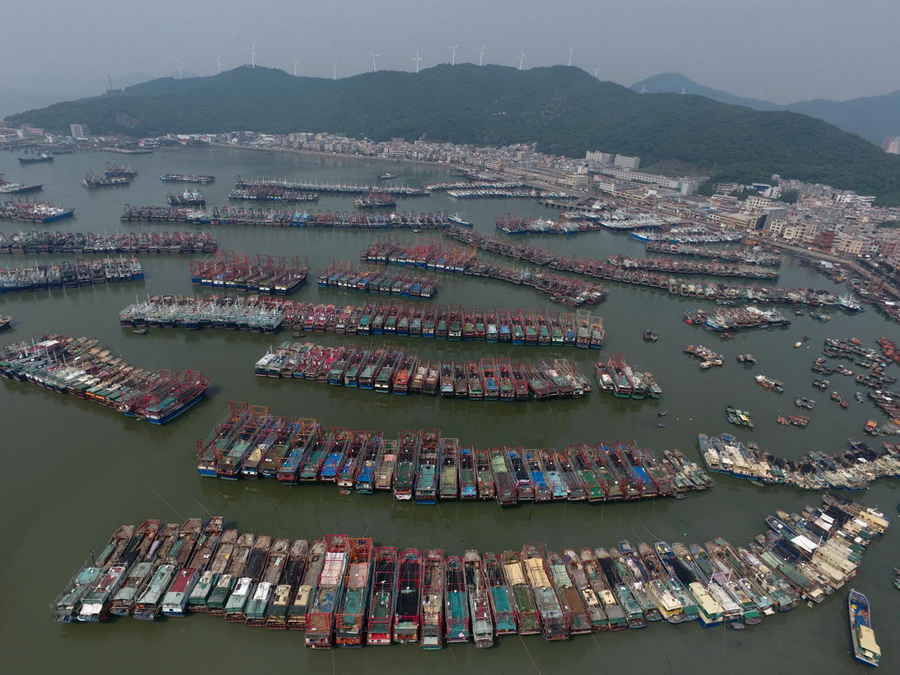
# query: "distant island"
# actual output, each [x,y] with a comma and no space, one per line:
[562,109]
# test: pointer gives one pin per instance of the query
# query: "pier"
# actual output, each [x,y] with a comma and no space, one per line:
[749,256]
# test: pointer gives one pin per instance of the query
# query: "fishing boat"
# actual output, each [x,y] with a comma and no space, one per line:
[352,610]
[406,619]
[296,619]
[554,623]
[148,605]
[283,593]
[468,478]
[524,606]
[456,605]
[426,488]
[479,600]
[382,596]
[176,599]
[432,609]
[320,622]
[865,649]
[68,604]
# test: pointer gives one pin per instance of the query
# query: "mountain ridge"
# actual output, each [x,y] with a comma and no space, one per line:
[872,117]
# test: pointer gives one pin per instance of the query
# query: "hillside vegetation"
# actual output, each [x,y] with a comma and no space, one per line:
[563,109]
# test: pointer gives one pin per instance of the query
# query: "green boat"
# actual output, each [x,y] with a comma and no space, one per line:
[457,601]
[67,605]
[220,594]
[237,601]
[523,601]
[149,604]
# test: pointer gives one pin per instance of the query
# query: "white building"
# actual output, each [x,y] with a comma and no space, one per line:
[625,162]
[79,131]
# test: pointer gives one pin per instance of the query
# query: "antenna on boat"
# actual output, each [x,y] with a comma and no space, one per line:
[481,55]
[571,51]
[93,559]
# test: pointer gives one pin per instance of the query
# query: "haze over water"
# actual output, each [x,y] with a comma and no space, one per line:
[75,471]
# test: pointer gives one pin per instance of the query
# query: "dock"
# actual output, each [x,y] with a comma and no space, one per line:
[429,597]
[330,188]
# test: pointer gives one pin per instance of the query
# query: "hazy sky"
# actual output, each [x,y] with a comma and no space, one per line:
[783,50]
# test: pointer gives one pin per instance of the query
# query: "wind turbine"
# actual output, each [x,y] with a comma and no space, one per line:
[253,56]
[452,48]
[571,51]
[295,62]
[374,63]
[218,61]
[334,70]
[596,70]
[418,60]
[178,65]
[521,59]
[481,56]
[683,92]
[643,89]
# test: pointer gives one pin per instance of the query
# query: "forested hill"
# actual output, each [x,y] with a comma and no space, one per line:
[563,109]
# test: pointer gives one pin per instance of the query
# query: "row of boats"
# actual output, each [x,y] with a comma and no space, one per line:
[424,466]
[70,274]
[229,215]
[238,271]
[375,200]
[371,279]
[34,212]
[743,256]
[696,234]
[386,369]
[709,290]
[618,378]
[35,242]
[852,469]
[731,319]
[690,267]
[82,367]
[93,181]
[517,327]
[332,188]
[191,198]
[187,178]
[272,193]
[505,193]
[511,223]
[347,592]
[708,357]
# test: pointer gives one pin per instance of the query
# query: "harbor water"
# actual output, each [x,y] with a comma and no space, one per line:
[74,472]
